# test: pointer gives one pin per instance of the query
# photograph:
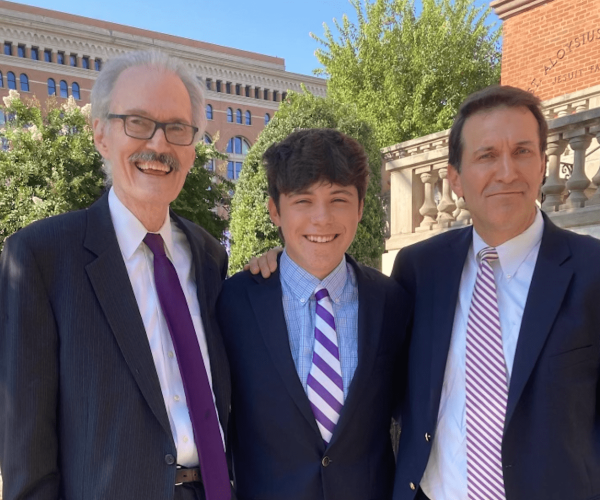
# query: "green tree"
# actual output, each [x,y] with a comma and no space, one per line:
[252,231]
[48,165]
[408,72]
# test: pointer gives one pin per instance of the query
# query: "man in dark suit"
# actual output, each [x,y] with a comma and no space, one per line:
[503,393]
[312,399]
[96,396]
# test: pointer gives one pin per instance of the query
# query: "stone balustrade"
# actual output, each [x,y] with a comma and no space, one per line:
[422,203]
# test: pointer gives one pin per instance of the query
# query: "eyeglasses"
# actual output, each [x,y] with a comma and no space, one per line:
[140,127]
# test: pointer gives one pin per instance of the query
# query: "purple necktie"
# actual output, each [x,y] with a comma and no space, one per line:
[324,386]
[487,390]
[207,436]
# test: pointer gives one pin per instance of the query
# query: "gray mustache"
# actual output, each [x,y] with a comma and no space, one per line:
[148,156]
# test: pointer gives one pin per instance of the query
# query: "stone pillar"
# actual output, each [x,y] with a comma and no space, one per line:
[554,187]
[446,206]
[595,200]
[429,209]
[579,141]
[462,214]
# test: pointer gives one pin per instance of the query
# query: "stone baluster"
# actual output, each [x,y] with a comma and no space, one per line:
[462,214]
[595,200]
[579,140]
[446,206]
[554,187]
[429,209]
[581,106]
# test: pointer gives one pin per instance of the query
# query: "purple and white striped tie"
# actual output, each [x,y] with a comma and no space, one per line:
[486,384]
[324,386]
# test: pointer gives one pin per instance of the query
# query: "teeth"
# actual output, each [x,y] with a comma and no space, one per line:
[152,166]
[320,239]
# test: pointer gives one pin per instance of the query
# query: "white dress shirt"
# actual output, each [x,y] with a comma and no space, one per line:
[139,261]
[445,476]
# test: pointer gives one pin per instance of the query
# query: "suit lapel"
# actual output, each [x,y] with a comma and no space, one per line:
[109,278]
[268,309]
[370,318]
[549,285]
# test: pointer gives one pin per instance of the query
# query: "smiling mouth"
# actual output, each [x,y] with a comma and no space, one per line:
[321,239]
[153,168]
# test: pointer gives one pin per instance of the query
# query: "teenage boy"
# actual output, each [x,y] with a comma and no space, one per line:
[314,349]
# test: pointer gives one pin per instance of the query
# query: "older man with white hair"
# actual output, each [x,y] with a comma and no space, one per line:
[114,382]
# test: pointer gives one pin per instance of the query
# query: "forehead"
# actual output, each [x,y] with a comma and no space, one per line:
[325,187]
[499,127]
[158,93]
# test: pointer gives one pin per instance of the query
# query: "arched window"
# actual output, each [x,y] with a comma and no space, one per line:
[267,118]
[230,115]
[1,80]
[51,86]
[75,90]
[238,116]
[209,112]
[12,82]
[248,118]
[210,166]
[237,149]
[24,82]
[64,89]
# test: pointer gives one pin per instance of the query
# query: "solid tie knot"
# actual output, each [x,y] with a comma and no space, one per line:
[321,293]
[155,244]
[488,254]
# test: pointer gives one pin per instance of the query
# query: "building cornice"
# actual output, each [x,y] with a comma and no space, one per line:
[508,8]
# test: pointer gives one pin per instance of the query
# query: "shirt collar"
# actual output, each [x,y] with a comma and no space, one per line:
[130,231]
[512,253]
[303,284]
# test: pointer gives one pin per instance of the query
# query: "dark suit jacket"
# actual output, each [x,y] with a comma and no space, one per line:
[82,414]
[277,449]
[551,444]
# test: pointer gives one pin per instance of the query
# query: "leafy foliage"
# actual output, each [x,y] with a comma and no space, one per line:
[49,165]
[252,231]
[407,73]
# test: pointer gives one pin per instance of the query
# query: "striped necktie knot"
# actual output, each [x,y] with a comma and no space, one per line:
[488,254]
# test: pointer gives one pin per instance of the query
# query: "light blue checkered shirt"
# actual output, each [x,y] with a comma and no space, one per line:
[298,287]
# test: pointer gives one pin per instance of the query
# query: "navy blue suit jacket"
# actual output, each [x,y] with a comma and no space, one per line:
[82,415]
[551,443]
[277,449]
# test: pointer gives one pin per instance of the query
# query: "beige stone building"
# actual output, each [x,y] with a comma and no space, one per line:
[551,48]
[48,53]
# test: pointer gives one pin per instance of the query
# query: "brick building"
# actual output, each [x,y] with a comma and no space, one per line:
[48,53]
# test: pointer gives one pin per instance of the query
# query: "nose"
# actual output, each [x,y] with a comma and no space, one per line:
[507,170]
[158,140]
[321,213]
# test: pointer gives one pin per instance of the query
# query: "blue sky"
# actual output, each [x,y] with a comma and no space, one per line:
[273,27]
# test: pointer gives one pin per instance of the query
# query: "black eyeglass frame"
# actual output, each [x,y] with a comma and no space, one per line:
[157,125]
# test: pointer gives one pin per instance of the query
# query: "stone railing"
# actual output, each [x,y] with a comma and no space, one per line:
[422,203]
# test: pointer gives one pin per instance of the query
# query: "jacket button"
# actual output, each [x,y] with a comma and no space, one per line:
[412,486]
[427,437]
[169,459]
[326,461]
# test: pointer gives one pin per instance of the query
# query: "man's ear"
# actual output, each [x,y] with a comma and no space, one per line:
[455,181]
[274,214]
[100,131]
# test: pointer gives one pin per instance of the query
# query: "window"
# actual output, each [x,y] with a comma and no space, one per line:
[218,85]
[75,90]
[238,146]
[21,50]
[97,64]
[208,84]
[47,55]
[256,93]
[266,94]
[12,82]
[283,96]
[234,169]
[35,53]
[210,166]
[248,118]
[2,118]
[64,89]
[275,95]
[267,118]
[85,62]
[73,60]
[7,49]
[24,82]
[238,89]
[248,90]
[51,86]
[229,115]
[238,116]
[1,80]
[209,113]
[228,88]
[60,57]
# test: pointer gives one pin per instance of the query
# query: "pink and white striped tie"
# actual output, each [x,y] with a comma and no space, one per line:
[486,384]
[325,384]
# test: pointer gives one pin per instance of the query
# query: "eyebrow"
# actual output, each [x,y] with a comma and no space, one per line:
[308,192]
[491,148]
[145,114]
